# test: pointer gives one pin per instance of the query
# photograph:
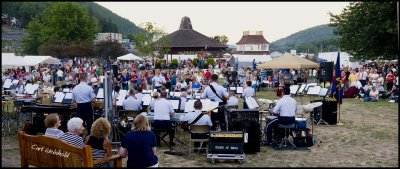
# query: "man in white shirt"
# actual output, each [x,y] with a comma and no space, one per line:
[163,111]
[286,109]
[139,94]
[131,103]
[183,101]
[217,96]
[158,80]
[60,73]
[248,91]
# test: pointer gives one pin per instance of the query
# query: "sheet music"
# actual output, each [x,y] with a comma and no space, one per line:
[323,92]
[175,104]
[146,99]
[28,87]
[119,102]
[232,88]
[154,90]
[59,94]
[302,87]
[15,81]
[251,103]
[146,91]
[123,93]
[68,96]
[7,83]
[314,90]
[189,106]
[100,93]
[59,97]
[239,90]
[66,90]
[293,89]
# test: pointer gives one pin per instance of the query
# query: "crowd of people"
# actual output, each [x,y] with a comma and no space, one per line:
[84,76]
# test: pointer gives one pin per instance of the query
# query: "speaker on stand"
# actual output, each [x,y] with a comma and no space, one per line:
[326,71]
[247,121]
[114,69]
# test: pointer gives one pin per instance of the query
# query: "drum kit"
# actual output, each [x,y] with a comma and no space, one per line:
[310,108]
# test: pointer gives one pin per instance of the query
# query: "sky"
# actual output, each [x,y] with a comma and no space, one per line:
[276,19]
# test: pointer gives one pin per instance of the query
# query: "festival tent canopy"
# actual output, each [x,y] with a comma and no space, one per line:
[130,56]
[9,60]
[36,60]
[288,61]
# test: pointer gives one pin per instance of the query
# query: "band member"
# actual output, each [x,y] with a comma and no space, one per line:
[131,103]
[248,91]
[163,111]
[83,95]
[217,93]
[233,100]
[286,109]
[139,94]
[158,80]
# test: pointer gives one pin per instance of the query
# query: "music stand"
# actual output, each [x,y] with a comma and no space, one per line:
[301,92]
[313,91]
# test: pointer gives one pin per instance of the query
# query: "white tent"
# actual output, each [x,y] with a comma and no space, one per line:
[130,56]
[36,60]
[247,60]
[9,60]
[180,57]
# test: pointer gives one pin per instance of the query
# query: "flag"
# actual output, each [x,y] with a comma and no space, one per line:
[336,88]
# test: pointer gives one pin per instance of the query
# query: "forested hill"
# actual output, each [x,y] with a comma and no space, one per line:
[107,20]
[311,39]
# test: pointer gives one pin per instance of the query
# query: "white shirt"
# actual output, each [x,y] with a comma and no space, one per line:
[60,73]
[248,92]
[191,116]
[83,93]
[286,106]
[183,103]
[162,109]
[151,104]
[199,78]
[158,80]
[183,85]
[46,78]
[139,97]
[233,101]
[209,94]
[372,93]
[131,104]
[362,75]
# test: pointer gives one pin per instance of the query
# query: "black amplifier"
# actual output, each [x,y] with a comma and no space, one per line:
[225,142]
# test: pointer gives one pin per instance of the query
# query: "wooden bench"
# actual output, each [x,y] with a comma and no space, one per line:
[43,151]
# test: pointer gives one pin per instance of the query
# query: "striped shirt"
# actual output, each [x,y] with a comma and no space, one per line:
[52,132]
[72,139]
[286,106]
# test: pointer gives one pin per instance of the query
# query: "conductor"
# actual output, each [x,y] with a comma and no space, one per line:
[83,95]
[216,93]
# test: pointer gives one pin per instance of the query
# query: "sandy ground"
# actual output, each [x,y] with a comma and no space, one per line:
[368,138]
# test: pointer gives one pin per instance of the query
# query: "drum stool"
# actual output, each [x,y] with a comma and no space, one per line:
[287,127]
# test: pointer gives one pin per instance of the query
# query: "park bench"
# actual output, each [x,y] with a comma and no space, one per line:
[44,151]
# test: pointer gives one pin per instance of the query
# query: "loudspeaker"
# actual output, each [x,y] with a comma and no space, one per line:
[326,71]
[329,111]
[247,121]
[114,69]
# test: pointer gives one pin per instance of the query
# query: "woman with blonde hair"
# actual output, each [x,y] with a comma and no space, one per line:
[98,140]
[141,142]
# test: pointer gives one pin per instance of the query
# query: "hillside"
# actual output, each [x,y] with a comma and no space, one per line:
[311,40]
[108,21]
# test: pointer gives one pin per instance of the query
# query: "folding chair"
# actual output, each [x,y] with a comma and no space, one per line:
[198,129]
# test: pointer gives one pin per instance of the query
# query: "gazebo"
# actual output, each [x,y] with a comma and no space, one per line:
[187,39]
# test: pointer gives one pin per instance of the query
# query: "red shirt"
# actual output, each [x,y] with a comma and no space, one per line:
[207,74]
[390,78]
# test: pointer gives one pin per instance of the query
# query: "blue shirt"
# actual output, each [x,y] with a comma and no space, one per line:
[195,86]
[83,93]
[139,145]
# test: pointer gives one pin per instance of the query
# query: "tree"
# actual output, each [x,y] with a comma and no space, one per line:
[222,39]
[367,30]
[152,41]
[63,22]
[112,49]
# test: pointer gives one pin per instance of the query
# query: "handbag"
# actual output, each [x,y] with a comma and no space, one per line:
[185,125]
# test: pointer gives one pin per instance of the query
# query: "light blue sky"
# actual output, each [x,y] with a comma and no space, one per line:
[276,19]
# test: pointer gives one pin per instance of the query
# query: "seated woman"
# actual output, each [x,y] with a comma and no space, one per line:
[98,140]
[393,95]
[373,96]
[75,128]
[352,92]
[53,122]
[140,145]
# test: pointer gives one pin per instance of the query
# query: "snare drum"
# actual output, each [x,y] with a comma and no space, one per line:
[301,123]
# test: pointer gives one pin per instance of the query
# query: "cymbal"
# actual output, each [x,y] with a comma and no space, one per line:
[310,107]
[267,101]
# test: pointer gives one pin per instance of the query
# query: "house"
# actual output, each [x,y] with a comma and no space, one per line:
[107,36]
[252,47]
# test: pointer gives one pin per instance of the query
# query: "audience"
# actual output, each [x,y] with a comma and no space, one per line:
[53,122]
[75,129]
[139,145]
[373,96]
[98,140]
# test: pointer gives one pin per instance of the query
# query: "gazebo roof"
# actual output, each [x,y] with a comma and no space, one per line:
[187,39]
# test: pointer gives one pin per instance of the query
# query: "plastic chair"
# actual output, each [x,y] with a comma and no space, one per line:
[198,129]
